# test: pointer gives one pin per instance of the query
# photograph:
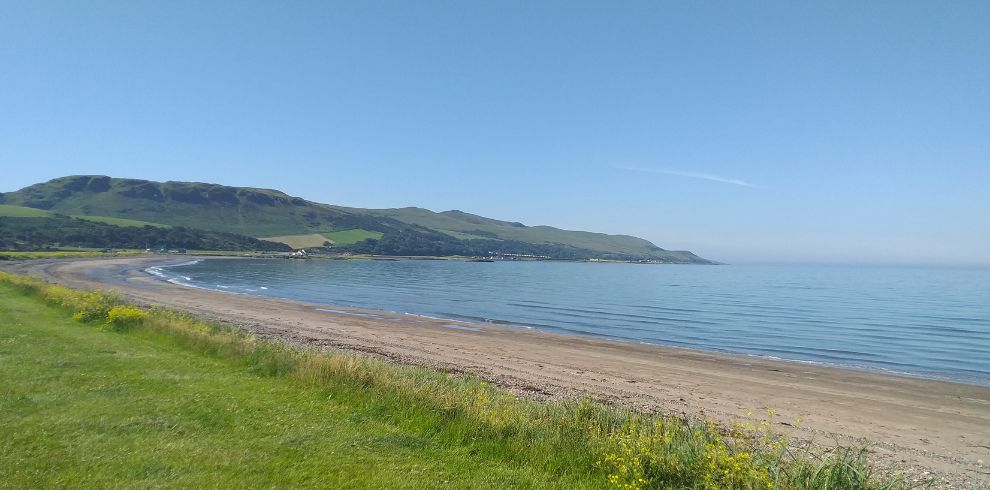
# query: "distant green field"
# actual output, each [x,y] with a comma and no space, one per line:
[119,221]
[347,237]
[62,254]
[299,241]
[342,237]
[6,210]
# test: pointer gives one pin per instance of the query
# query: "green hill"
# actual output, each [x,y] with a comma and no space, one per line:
[9,211]
[270,213]
[57,230]
[255,212]
[469,226]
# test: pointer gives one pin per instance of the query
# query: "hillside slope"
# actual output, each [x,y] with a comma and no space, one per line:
[57,230]
[248,211]
[465,225]
[270,213]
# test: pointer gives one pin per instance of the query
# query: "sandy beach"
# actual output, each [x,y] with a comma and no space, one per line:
[918,424]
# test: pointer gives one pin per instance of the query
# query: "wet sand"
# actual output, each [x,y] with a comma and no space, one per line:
[917,424]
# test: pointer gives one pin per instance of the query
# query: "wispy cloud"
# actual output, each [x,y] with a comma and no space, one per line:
[693,175]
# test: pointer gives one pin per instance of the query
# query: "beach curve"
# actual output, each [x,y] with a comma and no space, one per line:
[919,424]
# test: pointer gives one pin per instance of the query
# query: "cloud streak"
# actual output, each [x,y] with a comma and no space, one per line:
[693,175]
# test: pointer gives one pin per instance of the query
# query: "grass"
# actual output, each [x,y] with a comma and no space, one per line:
[347,237]
[96,392]
[342,237]
[299,241]
[140,408]
[119,221]
[62,254]
[9,211]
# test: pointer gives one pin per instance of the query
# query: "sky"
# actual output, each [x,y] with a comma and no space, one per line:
[747,132]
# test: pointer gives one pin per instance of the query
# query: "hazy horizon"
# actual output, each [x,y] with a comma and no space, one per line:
[843,133]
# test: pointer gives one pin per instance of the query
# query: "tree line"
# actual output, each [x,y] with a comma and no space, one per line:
[44,232]
[422,242]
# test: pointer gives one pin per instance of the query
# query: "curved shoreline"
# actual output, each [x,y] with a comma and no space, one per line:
[481,322]
[905,421]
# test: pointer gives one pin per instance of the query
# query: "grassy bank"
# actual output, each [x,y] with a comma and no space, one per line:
[99,393]
[63,254]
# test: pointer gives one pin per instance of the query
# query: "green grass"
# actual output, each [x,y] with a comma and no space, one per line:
[62,254]
[81,407]
[299,241]
[9,211]
[59,254]
[119,396]
[347,237]
[119,221]
[342,237]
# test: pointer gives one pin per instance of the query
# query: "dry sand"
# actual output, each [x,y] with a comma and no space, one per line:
[921,425]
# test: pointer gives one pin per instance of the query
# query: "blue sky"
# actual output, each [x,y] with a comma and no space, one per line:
[834,132]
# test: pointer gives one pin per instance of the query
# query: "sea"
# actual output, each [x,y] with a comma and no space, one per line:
[923,322]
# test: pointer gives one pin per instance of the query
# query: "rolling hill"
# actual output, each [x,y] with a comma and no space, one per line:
[58,230]
[9,211]
[274,215]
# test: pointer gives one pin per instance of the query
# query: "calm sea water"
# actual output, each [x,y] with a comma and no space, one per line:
[925,322]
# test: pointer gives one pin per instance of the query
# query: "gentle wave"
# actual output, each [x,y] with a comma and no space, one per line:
[931,323]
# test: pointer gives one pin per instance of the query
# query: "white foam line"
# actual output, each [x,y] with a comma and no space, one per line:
[180,283]
[191,262]
[354,313]
[155,271]
[429,317]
